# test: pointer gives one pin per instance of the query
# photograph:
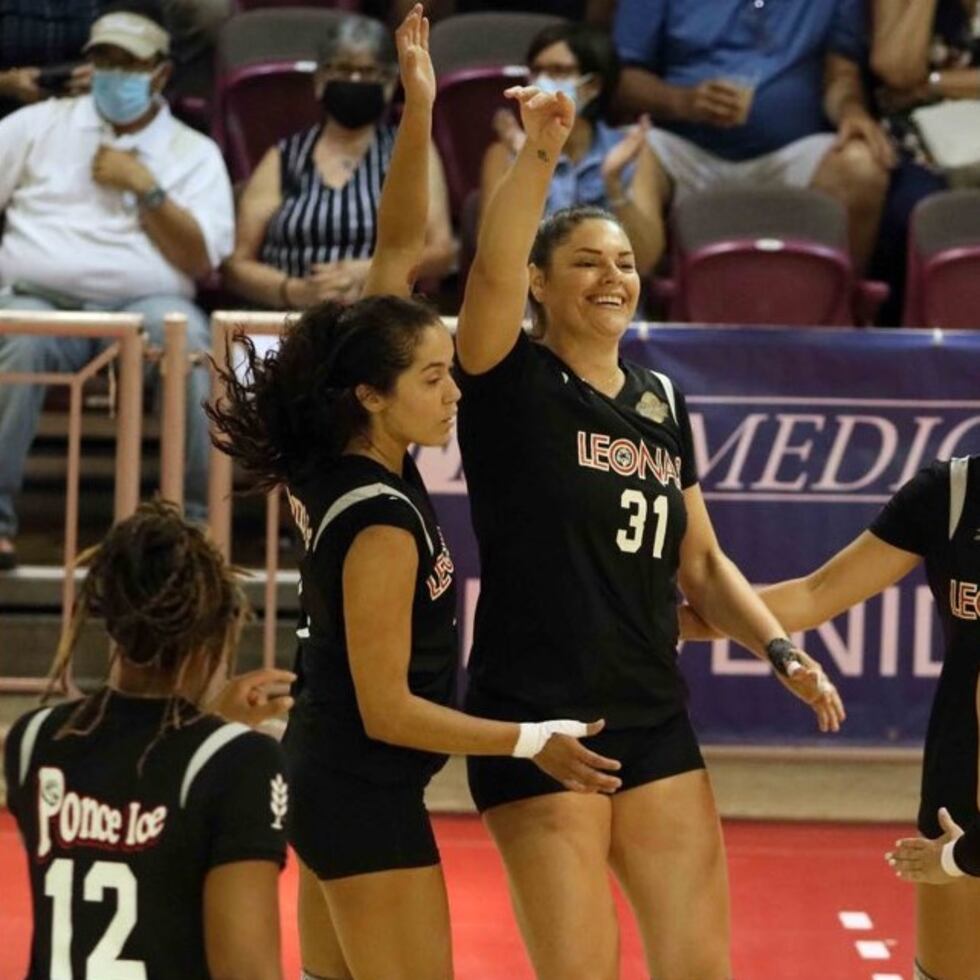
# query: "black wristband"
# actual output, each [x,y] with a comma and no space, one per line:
[781,654]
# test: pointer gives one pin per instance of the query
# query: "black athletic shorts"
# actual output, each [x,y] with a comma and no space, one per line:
[342,825]
[646,754]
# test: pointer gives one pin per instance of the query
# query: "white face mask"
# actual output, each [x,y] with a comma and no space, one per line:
[568,86]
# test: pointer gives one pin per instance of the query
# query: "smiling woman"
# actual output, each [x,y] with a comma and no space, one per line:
[583,545]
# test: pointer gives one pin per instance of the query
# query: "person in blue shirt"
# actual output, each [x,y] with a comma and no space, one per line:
[752,91]
[600,165]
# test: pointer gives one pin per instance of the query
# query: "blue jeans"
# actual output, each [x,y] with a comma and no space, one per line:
[20,404]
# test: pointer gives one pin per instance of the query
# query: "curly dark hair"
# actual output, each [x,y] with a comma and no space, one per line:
[297,409]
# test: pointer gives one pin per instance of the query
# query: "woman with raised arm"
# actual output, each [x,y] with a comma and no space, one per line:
[588,514]
[331,415]
[154,829]
[934,518]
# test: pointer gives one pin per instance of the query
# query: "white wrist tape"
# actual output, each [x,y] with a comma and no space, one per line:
[535,734]
[948,862]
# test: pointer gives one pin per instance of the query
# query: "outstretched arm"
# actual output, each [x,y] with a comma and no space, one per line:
[404,208]
[496,290]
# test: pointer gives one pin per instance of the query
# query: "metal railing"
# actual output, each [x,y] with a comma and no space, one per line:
[127,349]
[225,327]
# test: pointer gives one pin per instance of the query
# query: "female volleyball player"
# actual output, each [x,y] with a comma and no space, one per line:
[587,511]
[331,415]
[154,831]
[935,517]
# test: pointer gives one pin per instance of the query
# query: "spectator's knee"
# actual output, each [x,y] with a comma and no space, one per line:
[861,176]
[25,352]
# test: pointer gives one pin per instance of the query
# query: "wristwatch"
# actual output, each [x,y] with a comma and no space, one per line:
[152,199]
[935,79]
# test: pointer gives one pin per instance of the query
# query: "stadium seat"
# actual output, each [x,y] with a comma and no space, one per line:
[943,280]
[349,5]
[264,85]
[476,57]
[764,255]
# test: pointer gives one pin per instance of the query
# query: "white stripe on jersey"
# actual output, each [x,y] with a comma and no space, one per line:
[959,467]
[360,494]
[216,741]
[28,740]
[668,387]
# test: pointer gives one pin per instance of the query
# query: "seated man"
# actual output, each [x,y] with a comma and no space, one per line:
[744,91]
[110,204]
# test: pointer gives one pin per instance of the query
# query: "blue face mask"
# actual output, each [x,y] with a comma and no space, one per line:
[569,86]
[121,96]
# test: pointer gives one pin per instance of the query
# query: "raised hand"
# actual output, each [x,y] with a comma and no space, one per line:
[508,130]
[626,150]
[547,117]
[807,681]
[414,64]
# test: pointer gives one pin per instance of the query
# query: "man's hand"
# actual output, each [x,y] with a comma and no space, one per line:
[858,125]
[414,64]
[21,85]
[715,102]
[121,170]
[918,859]
[80,80]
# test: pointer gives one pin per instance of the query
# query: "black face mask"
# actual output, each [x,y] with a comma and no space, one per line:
[354,104]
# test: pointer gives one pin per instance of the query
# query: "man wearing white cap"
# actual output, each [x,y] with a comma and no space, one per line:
[110,204]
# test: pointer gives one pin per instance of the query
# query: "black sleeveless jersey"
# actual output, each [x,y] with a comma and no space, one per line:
[937,515]
[118,854]
[325,727]
[578,510]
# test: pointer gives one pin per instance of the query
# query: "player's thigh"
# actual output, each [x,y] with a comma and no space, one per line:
[393,925]
[948,929]
[668,853]
[319,946]
[555,848]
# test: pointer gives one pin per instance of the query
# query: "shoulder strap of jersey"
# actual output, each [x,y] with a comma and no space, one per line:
[29,739]
[203,754]
[359,495]
[668,387]
[959,468]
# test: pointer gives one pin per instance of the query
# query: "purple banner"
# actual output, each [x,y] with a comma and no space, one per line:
[801,436]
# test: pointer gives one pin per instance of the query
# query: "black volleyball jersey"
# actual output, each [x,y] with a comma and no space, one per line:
[118,854]
[937,515]
[579,514]
[325,727]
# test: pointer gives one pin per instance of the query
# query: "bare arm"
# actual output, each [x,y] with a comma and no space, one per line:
[404,209]
[241,921]
[244,273]
[845,106]
[719,593]
[901,35]
[496,289]
[383,561]
[439,254]
[496,162]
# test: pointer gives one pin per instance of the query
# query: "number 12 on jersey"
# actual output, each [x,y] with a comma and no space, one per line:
[630,538]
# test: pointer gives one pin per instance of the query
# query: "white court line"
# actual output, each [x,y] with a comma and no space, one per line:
[855,920]
[872,949]
[886,976]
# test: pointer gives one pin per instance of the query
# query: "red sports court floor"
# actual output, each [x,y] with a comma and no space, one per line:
[810,902]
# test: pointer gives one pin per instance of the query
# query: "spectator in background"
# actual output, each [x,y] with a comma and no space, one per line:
[307,218]
[37,34]
[110,204]
[922,51]
[599,165]
[743,92]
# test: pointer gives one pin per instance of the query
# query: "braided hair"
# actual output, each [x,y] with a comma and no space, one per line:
[166,595]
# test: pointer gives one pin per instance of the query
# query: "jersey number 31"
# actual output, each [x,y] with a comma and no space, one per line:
[103,962]
[630,538]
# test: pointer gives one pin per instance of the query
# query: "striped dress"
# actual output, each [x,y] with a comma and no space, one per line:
[316,223]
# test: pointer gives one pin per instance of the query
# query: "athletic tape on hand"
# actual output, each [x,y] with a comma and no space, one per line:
[534,735]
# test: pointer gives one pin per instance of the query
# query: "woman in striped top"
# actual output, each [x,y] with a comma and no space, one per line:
[307,218]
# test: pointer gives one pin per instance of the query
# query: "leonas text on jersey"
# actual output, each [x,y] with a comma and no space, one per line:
[78,820]
[964,600]
[625,457]
[442,571]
